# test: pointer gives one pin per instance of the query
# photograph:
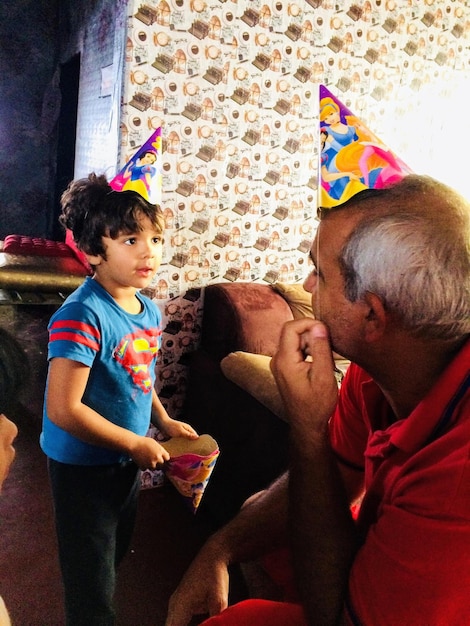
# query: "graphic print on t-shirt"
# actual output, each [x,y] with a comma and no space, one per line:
[136,353]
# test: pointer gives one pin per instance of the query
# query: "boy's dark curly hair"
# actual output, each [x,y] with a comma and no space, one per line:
[91,209]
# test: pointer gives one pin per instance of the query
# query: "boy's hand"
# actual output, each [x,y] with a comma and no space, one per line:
[147,453]
[174,428]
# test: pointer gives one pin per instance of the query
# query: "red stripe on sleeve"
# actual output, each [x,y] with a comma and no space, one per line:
[76,325]
[76,338]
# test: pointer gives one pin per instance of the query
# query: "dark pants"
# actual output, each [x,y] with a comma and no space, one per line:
[94,513]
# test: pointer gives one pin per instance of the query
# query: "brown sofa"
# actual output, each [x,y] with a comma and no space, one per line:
[245,317]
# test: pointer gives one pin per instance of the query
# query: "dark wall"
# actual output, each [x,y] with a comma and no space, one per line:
[37,39]
[29,48]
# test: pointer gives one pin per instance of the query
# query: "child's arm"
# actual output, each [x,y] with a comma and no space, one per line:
[66,385]
[169,426]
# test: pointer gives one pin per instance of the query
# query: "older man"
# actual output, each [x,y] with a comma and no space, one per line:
[390,290]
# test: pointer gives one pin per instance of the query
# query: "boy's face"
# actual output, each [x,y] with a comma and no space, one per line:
[132,259]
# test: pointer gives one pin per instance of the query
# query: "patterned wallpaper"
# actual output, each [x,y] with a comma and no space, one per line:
[234,86]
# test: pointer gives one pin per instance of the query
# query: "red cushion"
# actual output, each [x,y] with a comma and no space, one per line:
[22,244]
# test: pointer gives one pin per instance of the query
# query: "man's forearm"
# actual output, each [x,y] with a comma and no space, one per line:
[259,527]
[323,534]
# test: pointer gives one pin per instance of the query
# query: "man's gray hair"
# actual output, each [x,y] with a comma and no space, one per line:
[411,248]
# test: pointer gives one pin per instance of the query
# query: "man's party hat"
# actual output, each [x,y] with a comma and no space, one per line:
[352,158]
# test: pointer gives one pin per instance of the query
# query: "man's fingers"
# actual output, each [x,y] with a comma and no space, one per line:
[315,342]
[301,339]
[304,370]
[290,343]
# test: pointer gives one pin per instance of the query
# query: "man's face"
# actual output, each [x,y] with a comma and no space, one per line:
[326,284]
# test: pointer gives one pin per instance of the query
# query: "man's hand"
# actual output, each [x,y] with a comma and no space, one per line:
[304,371]
[203,589]
[258,526]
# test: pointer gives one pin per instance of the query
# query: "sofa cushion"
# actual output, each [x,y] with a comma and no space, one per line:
[252,373]
[299,300]
[242,316]
[23,244]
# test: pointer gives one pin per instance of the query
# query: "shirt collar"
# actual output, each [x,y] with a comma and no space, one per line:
[432,415]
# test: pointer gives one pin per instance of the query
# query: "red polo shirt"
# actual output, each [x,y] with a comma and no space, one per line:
[414,565]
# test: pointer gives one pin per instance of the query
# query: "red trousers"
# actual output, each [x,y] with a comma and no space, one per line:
[267,612]
[259,613]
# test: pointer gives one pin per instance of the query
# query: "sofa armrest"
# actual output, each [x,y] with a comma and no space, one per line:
[40,273]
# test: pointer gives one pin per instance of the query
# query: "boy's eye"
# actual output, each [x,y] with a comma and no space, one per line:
[157,240]
[130,241]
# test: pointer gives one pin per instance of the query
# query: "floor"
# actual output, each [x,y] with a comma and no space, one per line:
[166,537]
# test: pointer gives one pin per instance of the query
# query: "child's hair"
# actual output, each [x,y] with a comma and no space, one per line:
[91,209]
[14,369]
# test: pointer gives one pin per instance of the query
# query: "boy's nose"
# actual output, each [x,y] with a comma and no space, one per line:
[148,249]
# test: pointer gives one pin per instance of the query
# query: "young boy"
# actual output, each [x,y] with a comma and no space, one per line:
[100,395]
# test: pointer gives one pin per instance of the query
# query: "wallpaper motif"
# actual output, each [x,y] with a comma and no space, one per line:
[234,86]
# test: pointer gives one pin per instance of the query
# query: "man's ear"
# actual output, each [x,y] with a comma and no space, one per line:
[376,317]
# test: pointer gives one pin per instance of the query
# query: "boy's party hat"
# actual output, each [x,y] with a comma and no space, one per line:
[190,466]
[142,173]
[351,157]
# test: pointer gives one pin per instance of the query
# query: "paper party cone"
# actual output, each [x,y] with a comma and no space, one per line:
[142,173]
[190,466]
[352,158]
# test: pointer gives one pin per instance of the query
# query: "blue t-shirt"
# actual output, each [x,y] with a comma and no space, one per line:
[121,350]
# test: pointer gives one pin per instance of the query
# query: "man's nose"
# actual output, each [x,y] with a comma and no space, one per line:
[310,282]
